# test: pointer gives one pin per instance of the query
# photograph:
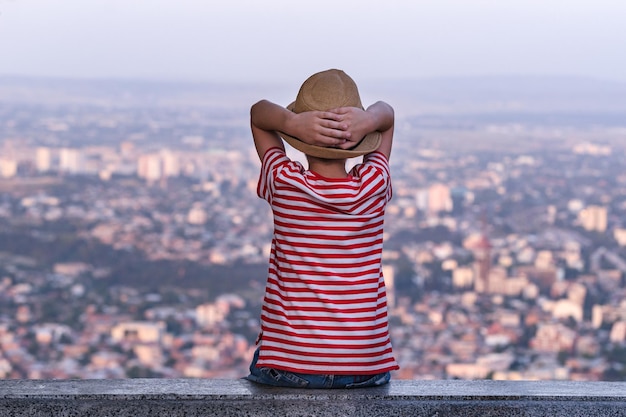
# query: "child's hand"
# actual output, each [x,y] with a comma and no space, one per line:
[320,128]
[355,122]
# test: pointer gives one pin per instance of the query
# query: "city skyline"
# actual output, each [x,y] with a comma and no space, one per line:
[245,40]
[136,237]
[505,247]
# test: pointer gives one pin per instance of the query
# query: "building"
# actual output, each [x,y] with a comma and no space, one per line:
[482,264]
[8,167]
[593,218]
[149,167]
[70,160]
[439,198]
[43,159]
[138,331]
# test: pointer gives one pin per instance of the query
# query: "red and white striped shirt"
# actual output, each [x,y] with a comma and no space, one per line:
[325,307]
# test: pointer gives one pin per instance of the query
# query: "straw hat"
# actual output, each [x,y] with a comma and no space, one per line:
[324,91]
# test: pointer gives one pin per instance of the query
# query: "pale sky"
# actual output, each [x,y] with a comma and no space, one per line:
[254,40]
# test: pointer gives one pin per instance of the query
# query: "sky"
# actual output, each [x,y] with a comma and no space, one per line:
[287,40]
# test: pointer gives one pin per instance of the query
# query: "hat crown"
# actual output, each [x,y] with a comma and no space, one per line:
[327,90]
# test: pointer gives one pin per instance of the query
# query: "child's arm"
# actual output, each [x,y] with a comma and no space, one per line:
[378,117]
[265,137]
[314,127]
[385,120]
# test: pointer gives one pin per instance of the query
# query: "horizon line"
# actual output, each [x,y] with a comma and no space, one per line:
[226,81]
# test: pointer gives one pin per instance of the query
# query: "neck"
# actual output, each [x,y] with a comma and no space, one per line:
[329,168]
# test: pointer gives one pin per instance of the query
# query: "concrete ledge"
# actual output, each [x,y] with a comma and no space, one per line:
[195,397]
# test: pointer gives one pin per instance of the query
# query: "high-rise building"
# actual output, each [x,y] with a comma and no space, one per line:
[594,218]
[149,167]
[70,160]
[439,198]
[8,167]
[170,163]
[43,159]
[482,264]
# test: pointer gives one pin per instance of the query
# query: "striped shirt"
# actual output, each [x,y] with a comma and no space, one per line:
[325,307]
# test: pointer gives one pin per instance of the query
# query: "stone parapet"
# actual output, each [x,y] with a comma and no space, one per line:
[218,397]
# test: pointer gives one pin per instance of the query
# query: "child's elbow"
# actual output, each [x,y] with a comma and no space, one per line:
[254,108]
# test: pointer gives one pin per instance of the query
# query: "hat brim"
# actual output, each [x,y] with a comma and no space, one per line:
[368,144]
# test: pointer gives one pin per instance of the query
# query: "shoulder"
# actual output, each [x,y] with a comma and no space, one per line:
[274,156]
[378,161]
[275,160]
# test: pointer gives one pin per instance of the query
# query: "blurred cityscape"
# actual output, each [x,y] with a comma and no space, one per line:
[132,242]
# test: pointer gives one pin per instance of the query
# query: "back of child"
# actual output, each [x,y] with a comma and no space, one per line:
[324,316]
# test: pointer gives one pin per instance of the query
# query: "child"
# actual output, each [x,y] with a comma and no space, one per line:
[324,316]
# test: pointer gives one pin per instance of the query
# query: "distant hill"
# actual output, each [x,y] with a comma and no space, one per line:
[507,93]
[131,93]
[420,95]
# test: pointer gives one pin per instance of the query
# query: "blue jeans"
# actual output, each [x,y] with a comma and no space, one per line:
[280,378]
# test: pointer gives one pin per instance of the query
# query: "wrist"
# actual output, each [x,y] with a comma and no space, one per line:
[381,116]
[289,125]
